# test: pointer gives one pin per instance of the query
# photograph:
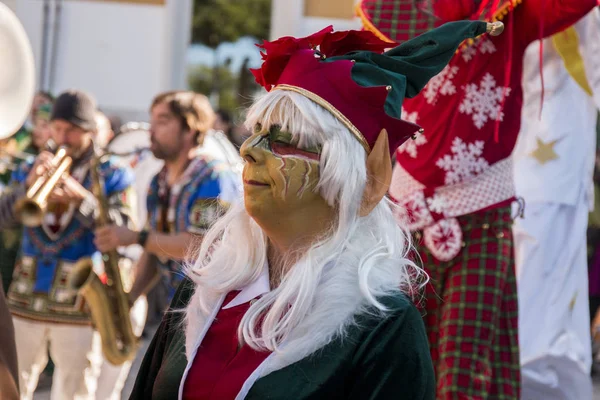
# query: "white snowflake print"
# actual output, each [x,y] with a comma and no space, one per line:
[410,146]
[441,84]
[416,213]
[465,161]
[483,102]
[468,52]
[436,204]
[444,239]
[409,116]
[485,46]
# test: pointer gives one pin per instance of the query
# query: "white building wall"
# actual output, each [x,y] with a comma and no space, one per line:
[123,53]
[288,19]
[12,4]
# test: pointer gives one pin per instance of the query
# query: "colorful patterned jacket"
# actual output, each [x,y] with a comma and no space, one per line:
[201,195]
[48,253]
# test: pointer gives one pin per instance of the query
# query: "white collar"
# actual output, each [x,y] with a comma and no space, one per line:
[259,287]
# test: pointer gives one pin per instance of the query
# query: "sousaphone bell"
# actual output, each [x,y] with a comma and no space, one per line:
[17,74]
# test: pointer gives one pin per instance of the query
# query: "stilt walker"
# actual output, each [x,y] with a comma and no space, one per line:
[455,182]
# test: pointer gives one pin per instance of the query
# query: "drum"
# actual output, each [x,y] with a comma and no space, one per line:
[134,139]
[217,146]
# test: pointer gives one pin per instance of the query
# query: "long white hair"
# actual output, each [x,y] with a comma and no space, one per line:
[372,250]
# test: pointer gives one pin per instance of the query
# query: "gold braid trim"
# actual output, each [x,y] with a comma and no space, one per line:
[334,111]
[505,9]
[499,15]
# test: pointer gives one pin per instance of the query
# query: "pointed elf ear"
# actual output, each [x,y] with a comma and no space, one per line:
[379,174]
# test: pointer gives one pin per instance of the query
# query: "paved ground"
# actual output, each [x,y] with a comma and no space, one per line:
[45,394]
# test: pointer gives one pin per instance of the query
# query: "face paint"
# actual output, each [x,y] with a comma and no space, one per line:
[281,144]
[286,178]
[296,162]
[306,178]
[291,172]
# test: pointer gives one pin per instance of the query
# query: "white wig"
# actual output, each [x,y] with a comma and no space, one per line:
[372,251]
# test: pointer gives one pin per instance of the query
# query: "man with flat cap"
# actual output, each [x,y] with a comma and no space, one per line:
[46,314]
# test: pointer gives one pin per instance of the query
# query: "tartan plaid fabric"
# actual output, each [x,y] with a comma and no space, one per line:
[398,20]
[471,312]
[401,20]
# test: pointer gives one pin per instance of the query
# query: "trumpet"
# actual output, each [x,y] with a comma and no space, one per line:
[32,208]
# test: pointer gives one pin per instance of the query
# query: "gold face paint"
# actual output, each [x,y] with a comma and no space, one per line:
[279,176]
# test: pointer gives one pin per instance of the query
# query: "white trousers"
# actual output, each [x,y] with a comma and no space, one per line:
[554,323]
[70,347]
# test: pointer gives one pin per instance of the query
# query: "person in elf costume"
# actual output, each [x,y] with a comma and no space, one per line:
[305,290]
[455,181]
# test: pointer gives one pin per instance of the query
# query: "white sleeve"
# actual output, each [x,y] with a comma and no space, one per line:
[588,29]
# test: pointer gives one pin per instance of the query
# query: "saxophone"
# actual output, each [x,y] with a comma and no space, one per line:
[108,303]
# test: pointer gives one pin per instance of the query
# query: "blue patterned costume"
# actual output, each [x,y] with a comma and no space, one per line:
[200,196]
[49,252]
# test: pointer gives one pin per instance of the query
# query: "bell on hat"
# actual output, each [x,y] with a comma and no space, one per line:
[17,74]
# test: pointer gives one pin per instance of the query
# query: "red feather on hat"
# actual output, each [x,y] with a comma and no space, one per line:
[325,43]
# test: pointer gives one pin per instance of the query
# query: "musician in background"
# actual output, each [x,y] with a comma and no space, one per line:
[41,129]
[40,100]
[185,197]
[46,314]
[22,140]
[9,238]
[26,142]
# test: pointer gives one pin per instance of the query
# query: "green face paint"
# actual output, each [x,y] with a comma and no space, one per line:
[279,175]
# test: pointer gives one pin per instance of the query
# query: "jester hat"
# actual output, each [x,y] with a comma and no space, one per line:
[349,75]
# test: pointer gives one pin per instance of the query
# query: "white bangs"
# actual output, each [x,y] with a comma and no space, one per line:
[292,113]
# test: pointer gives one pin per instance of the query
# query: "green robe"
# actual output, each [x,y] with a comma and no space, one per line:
[378,359]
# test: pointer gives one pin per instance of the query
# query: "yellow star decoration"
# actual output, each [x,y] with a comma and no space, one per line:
[544,151]
[572,302]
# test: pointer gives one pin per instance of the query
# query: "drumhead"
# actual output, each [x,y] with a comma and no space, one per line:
[143,163]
